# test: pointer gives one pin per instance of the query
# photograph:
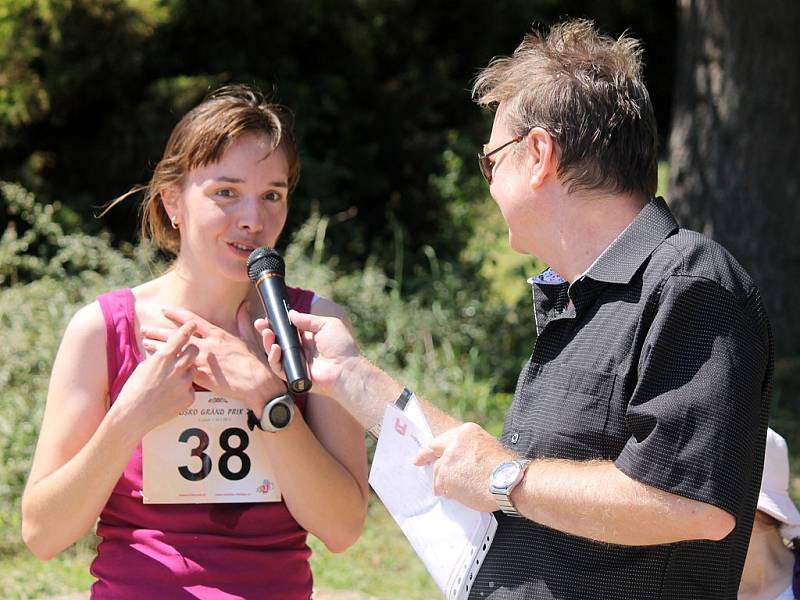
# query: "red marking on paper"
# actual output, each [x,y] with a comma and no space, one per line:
[400,427]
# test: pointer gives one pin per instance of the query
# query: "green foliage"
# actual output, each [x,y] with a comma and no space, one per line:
[62,271]
[35,245]
[90,89]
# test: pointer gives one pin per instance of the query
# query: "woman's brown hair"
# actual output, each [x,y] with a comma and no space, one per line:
[201,138]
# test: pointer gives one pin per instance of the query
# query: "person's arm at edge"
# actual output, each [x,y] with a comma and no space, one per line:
[82,450]
[369,390]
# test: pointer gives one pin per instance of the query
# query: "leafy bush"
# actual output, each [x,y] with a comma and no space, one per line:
[62,271]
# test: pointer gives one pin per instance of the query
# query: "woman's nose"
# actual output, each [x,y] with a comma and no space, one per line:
[251,215]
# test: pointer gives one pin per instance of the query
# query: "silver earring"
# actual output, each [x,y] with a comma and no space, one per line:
[174,221]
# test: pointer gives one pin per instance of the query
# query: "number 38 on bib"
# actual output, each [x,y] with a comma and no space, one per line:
[207,455]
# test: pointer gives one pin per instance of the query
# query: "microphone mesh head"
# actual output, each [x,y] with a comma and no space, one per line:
[264,259]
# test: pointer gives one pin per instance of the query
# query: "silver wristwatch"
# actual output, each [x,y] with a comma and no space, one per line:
[503,480]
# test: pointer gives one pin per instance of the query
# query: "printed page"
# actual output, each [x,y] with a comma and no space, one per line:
[450,538]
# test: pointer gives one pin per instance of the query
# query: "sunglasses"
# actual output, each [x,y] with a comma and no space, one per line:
[487,164]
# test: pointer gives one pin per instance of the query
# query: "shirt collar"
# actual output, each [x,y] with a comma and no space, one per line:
[623,257]
[620,261]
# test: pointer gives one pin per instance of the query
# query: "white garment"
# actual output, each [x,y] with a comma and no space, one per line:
[787,594]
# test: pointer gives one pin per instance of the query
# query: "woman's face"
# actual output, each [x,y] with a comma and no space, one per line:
[227,209]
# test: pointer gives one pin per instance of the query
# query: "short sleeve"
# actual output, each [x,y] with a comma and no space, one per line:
[695,415]
[300,299]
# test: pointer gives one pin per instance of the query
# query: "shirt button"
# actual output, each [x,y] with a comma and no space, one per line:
[515,438]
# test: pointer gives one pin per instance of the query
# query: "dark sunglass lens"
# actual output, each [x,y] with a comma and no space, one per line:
[486,167]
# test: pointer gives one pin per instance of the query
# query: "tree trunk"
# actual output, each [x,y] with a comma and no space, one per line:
[735,143]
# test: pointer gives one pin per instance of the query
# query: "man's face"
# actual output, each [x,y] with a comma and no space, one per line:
[510,187]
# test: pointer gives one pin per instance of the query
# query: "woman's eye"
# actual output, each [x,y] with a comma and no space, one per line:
[273,197]
[225,193]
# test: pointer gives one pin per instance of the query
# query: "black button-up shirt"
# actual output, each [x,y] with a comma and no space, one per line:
[659,358]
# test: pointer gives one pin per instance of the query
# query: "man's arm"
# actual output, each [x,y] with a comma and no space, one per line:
[368,391]
[339,370]
[591,499]
[596,500]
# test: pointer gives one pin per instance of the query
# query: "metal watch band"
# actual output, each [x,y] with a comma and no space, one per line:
[503,497]
[505,504]
[401,402]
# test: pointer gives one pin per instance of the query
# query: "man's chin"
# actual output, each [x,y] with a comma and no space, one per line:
[515,245]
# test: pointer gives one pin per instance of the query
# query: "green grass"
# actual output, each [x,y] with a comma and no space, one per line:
[381,563]
[26,577]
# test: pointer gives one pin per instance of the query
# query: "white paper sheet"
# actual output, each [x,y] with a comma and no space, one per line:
[451,539]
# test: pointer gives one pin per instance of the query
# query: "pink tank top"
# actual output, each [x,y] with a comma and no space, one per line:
[220,551]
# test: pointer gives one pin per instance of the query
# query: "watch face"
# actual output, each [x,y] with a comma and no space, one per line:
[506,474]
[280,415]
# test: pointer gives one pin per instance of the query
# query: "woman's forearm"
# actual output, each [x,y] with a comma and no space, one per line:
[324,497]
[62,506]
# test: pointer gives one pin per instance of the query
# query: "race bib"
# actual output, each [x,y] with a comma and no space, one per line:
[207,455]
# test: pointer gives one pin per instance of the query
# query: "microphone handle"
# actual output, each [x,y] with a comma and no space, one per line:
[272,291]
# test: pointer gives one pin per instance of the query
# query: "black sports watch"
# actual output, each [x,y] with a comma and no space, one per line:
[277,415]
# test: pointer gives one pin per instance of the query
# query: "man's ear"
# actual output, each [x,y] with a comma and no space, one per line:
[542,156]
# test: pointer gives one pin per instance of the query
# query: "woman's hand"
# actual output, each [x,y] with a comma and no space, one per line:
[161,385]
[231,366]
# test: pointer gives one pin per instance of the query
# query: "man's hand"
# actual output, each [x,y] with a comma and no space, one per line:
[463,459]
[329,348]
[227,365]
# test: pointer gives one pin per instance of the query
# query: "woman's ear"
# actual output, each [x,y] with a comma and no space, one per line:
[542,156]
[170,200]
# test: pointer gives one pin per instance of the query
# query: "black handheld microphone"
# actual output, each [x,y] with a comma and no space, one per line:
[266,269]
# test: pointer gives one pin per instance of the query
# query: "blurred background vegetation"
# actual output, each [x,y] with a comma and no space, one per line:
[391,217]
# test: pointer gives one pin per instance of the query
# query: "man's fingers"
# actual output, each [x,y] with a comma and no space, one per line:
[426,456]
[267,337]
[179,338]
[307,322]
[274,360]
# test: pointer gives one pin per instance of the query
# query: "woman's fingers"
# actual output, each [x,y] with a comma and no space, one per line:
[151,346]
[179,339]
[186,357]
[181,316]
[159,334]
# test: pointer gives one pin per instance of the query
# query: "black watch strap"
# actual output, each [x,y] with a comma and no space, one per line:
[252,420]
[401,402]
